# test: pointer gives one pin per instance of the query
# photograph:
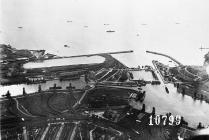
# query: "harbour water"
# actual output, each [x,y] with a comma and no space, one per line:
[193,111]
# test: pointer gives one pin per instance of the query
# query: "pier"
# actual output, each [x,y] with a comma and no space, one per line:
[88,55]
[180,64]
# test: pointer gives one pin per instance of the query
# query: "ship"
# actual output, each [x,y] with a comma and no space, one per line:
[110,31]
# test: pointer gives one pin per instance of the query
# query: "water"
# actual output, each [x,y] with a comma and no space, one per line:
[45,26]
[17,89]
[141,75]
[174,102]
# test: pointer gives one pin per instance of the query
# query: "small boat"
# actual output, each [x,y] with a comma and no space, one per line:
[110,31]
[66,46]
[69,21]
[20,27]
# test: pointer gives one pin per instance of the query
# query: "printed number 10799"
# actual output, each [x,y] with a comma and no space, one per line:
[165,120]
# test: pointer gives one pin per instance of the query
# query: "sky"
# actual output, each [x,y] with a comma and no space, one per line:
[174,27]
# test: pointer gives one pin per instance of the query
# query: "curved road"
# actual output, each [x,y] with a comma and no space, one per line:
[25,112]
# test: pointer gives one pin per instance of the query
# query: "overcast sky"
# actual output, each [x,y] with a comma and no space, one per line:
[174,27]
